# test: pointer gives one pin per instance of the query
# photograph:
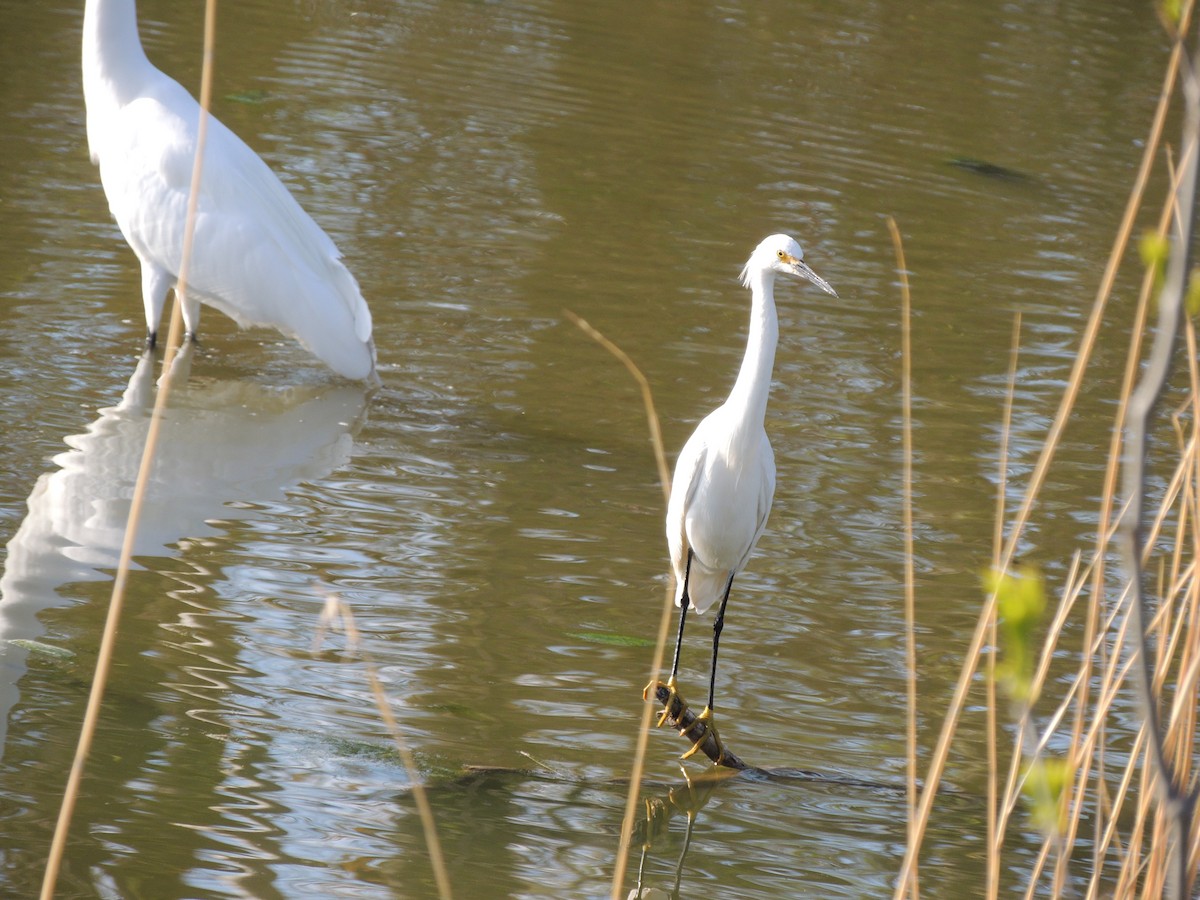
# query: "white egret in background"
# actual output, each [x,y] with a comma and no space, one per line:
[257,256]
[725,476]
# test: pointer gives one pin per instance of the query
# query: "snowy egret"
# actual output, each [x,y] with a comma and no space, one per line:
[257,256]
[725,476]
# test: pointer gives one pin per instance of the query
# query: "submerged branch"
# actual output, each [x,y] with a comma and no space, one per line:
[680,716]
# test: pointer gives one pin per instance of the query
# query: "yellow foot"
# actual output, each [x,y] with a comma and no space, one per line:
[710,728]
[669,684]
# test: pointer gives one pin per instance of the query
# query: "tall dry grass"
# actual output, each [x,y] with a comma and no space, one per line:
[1111,811]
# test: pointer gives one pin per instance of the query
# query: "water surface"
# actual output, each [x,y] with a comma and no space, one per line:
[492,513]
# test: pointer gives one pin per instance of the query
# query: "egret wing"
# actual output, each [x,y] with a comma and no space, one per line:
[257,255]
[766,496]
[145,161]
[689,469]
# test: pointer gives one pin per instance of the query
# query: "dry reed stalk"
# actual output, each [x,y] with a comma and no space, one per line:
[1075,581]
[1081,766]
[971,656]
[1183,714]
[1114,681]
[1174,800]
[1030,744]
[664,623]
[995,826]
[337,610]
[910,616]
[1114,678]
[1037,479]
[1180,490]
[108,637]
[656,441]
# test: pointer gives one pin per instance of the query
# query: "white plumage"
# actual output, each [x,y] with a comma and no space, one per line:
[725,476]
[257,256]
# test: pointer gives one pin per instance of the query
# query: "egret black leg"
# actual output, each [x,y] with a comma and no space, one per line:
[707,716]
[718,624]
[151,339]
[684,602]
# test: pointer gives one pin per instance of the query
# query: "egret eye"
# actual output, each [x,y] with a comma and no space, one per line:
[779,253]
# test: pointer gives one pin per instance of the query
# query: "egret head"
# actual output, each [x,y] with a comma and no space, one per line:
[780,253]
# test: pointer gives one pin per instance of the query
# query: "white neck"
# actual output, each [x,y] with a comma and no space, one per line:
[115,67]
[753,383]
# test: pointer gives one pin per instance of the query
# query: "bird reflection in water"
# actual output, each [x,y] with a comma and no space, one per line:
[688,798]
[223,444]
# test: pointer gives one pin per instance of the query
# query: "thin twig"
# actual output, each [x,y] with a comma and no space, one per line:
[664,623]
[337,610]
[995,823]
[660,456]
[910,615]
